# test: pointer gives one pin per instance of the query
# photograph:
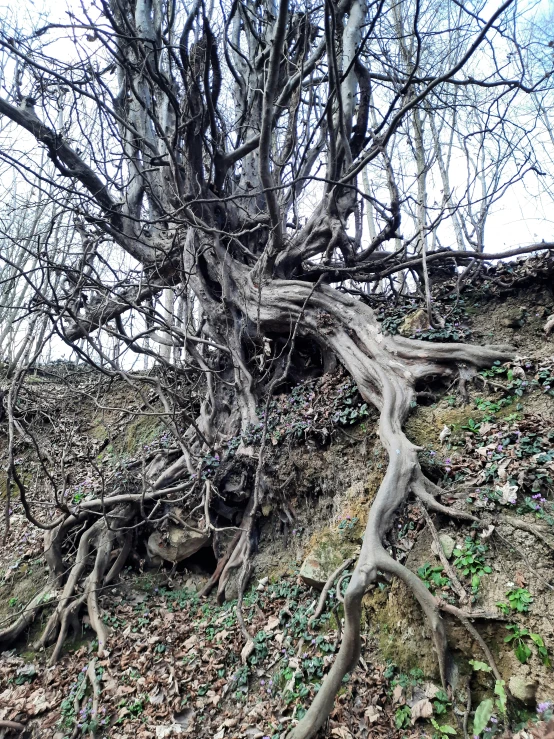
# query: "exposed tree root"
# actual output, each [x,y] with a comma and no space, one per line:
[102,535]
[214,579]
[467,710]
[93,679]
[39,601]
[372,359]
[420,489]
[475,634]
[15,725]
[120,560]
[386,370]
[338,589]
[456,584]
[328,585]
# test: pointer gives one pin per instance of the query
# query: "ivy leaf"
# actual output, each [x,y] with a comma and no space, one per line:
[483,666]
[482,715]
[501,693]
[522,652]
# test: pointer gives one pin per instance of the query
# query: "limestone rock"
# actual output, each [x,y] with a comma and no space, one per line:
[523,688]
[414,322]
[514,318]
[179,544]
[233,583]
[313,572]
[323,560]
[447,544]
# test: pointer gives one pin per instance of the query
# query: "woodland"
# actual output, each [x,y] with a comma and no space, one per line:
[205,207]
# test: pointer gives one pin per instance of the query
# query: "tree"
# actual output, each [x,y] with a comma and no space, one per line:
[208,163]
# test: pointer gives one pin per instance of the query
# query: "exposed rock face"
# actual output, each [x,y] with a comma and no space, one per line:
[314,572]
[414,322]
[447,543]
[178,545]
[514,318]
[324,558]
[523,688]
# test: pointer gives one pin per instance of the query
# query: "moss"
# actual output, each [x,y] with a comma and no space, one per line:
[425,424]
[26,583]
[394,615]
[99,431]
[142,430]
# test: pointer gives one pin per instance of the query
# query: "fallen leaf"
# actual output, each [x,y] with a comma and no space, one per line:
[422,709]
[341,733]
[507,493]
[247,650]
[373,713]
[398,694]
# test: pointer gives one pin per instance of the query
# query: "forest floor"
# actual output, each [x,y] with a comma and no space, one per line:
[175,662]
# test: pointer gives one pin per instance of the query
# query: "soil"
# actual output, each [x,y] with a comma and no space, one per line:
[319,495]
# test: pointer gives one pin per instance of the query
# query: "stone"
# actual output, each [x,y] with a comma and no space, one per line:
[448,544]
[313,573]
[414,322]
[514,318]
[327,553]
[233,583]
[178,545]
[191,584]
[523,689]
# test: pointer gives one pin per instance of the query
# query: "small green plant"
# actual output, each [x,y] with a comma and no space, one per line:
[472,426]
[405,680]
[520,637]
[470,560]
[136,707]
[442,730]
[402,717]
[440,703]
[348,524]
[485,709]
[432,576]
[12,602]
[519,599]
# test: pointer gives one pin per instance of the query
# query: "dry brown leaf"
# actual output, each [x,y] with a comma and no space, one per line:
[398,694]
[247,650]
[422,709]
[341,733]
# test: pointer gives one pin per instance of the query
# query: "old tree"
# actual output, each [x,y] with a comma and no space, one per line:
[214,186]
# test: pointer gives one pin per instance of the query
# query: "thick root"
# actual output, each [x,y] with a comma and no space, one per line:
[64,602]
[475,634]
[7,636]
[101,535]
[329,584]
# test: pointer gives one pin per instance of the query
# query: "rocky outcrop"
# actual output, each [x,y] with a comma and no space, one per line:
[414,322]
[175,546]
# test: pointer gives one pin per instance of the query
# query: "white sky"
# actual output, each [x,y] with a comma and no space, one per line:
[521,217]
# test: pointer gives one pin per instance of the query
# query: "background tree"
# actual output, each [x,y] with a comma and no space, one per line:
[203,205]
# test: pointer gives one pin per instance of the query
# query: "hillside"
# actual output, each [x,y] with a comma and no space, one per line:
[176,661]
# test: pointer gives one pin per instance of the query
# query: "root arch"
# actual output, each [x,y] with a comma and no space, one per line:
[385,370]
